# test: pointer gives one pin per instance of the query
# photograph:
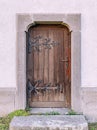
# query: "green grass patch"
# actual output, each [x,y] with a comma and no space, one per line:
[52,113]
[92,126]
[72,112]
[4,121]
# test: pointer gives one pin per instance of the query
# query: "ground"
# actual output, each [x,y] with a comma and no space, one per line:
[93,126]
[4,121]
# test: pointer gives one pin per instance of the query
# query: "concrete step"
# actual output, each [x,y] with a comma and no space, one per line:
[49,122]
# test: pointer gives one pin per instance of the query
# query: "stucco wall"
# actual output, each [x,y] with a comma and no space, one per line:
[8,9]
[8,33]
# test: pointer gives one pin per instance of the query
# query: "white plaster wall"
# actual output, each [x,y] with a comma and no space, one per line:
[8,10]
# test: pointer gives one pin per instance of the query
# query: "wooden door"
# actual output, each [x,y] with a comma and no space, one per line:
[49,66]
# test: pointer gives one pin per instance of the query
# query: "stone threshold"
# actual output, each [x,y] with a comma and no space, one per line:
[43,111]
[49,122]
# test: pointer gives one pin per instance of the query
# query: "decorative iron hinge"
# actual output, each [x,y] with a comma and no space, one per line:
[38,43]
[35,87]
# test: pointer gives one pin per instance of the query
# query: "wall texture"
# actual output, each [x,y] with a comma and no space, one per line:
[8,10]
[8,40]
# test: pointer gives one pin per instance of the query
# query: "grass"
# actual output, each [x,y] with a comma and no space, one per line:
[72,112]
[4,121]
[92,126]
[52,113]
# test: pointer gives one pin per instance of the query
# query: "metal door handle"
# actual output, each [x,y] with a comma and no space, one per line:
[64,60]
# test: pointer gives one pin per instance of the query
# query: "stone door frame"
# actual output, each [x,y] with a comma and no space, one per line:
[73,21]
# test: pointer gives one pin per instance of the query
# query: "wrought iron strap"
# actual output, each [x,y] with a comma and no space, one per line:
[38,42]
[46,86]
[35,87]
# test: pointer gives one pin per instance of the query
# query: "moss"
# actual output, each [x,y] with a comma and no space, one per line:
[4,121]
[72,112]
[92,126]
[52,113]
[18,113]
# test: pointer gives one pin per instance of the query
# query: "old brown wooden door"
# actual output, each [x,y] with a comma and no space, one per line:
[49,66]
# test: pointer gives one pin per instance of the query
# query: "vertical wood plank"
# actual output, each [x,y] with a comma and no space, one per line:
[48,66]
[51,59]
